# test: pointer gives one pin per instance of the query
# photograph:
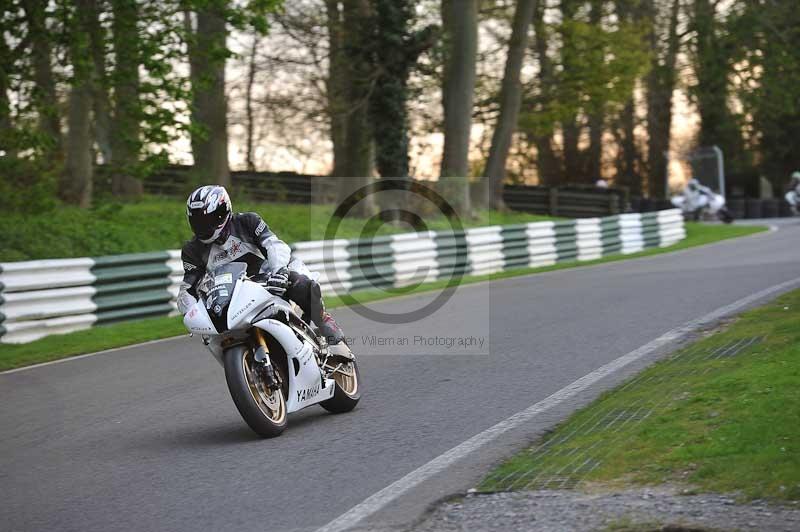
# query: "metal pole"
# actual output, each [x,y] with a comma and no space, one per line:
[720,170]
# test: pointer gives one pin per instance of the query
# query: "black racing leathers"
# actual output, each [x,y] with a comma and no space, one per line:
[249,240]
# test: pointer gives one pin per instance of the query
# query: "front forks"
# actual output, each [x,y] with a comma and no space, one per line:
[263,363]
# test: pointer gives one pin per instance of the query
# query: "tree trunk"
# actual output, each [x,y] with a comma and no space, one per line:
[660,86]
[125,129]
[711,72]
[628,163]
[100,99]
[546,161]
[44,97]
[460,24]
[336,87]
[628,174]
[712,64]
[357,170]
[594,155]
[251,76]
[510,101]
[570,125]
[387,99]
[209,105]
[7,142]
[394,51]
[76,183]
[548,167]
[572,156]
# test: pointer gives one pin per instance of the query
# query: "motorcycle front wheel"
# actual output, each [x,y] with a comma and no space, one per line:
[263,411]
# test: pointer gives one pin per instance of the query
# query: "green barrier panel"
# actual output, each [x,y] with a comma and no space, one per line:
[372,261]
[515,244]
[452,254]
[131,286]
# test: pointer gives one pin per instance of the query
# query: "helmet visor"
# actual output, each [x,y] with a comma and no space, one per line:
[204,224]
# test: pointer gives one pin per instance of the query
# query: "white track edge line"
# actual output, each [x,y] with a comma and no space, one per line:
[387,495]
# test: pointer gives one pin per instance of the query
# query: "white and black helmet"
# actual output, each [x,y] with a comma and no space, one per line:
[209,211]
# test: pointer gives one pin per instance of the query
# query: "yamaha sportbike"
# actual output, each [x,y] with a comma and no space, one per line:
[275,363]
[698,206]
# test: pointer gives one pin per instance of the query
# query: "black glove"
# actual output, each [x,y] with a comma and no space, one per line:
[278,282]
[260,278]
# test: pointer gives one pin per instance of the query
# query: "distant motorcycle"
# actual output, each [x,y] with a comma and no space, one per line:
[274,362]
[698,202]
[793,194]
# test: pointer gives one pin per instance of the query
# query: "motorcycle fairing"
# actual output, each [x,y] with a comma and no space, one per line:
[306,383]
[248,299]
[198,321]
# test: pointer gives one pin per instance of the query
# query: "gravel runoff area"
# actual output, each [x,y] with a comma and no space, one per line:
[666,508]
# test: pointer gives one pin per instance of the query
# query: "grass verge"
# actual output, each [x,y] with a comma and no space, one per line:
[721,415]
[155,224]
[121,334]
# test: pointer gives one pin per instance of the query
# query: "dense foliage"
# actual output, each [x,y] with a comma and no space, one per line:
[579,89]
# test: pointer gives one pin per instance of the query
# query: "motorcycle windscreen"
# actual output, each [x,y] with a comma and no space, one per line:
[224,279]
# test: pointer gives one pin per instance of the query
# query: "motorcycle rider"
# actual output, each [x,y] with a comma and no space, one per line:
[793,196]
[698,198]
[697,195]
[221,236]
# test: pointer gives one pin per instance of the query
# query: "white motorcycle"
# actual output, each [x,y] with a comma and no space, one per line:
[697,205]
[274,362]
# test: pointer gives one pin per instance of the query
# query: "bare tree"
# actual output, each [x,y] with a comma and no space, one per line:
[510,98]
[460,31]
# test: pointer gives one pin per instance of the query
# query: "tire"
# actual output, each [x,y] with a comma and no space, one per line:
[725,215]
[342,401]
[244,391]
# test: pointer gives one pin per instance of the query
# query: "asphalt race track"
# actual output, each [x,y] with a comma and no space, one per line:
[147,438]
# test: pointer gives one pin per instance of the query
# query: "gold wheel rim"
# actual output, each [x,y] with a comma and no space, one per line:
[346,378]
[273,405]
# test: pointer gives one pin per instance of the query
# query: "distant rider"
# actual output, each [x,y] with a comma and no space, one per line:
[697,195]
[793,196]
[220,237]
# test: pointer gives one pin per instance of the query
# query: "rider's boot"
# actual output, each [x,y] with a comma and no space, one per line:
[330,330]
[337,344]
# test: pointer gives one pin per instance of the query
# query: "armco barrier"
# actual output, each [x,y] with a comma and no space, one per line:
[43,297]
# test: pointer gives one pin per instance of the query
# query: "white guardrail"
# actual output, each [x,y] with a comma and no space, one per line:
[43,297]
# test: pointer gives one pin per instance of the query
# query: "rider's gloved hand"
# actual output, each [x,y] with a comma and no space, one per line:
[260,278]
[278,282]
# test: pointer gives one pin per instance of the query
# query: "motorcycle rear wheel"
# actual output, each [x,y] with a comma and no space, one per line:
[264,412]
[725,215]
[348,389]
